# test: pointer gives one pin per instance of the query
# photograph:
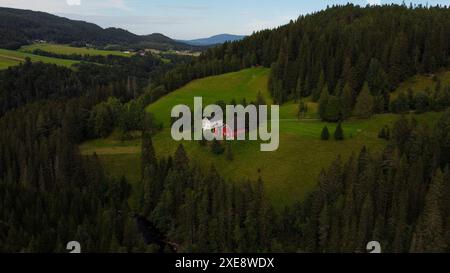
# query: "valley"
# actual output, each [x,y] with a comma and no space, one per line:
[299,159]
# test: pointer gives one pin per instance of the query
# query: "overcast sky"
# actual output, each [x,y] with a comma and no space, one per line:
[187,19]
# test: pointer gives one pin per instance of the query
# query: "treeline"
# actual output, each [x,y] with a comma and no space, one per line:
[400,198]
[349,45]
[335,108]
[422,101]
[201,212]
[123,78]
[337,50]
[50,194]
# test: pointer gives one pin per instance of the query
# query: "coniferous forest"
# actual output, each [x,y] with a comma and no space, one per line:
[347,59]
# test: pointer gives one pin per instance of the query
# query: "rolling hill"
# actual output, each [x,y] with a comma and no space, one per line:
[214,40]
[21,27]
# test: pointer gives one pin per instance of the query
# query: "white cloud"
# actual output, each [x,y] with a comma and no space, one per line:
[59,6]
[74,2]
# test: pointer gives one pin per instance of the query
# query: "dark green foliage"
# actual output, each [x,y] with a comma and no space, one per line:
[302,109]
[325,135]
[324,49]
[339,132]
[19,27]
[384,133]
[364,103]
[323,101]
[51,194]
[200,212]
[216,147]
[429,234]
[346,99]
[332,109]
[401,104]
[399,199]
[376,78]
[229,152]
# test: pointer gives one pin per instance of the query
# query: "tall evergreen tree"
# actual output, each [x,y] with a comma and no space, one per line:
[364,103]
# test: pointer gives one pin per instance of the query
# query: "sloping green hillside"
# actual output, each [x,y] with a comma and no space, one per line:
[288,173]
[11,57]
[67,50]
[240,85]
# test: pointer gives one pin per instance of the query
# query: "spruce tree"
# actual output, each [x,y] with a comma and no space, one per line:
[346,101]
[339,133]
[323,102]
[332,109]
[364,103]
[429,235]
[325,135]
[318,91]
[302,109]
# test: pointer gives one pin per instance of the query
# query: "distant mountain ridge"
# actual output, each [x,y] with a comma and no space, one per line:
[214,40]
[20,27]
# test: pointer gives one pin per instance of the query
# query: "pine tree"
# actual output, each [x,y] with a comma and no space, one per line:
[376,77]
[302,109]
[318,91]
[365,225]
[299,89]
[429,235]
[332,109]
[339,133]
[346,101]
[323,102]
[148,157]
[364,103]
[324,227]
[181,159]
[260,99]
[325,135]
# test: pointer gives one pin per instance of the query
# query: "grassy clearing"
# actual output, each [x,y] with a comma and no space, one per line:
[288,173]
[422,82]
[11,57]
[238,85]
[67,50]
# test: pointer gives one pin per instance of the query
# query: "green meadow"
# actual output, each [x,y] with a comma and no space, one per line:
[67,50]
[422,82]
[288,173]
[237,85]
[11,58]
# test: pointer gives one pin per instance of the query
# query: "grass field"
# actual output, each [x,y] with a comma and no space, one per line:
[422,82]
[238,85]
[67,50]
[288,174]
[11,57]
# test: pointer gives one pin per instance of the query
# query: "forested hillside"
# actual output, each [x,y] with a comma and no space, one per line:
[335,52]
[400,198]
[21,27]
[344,63]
